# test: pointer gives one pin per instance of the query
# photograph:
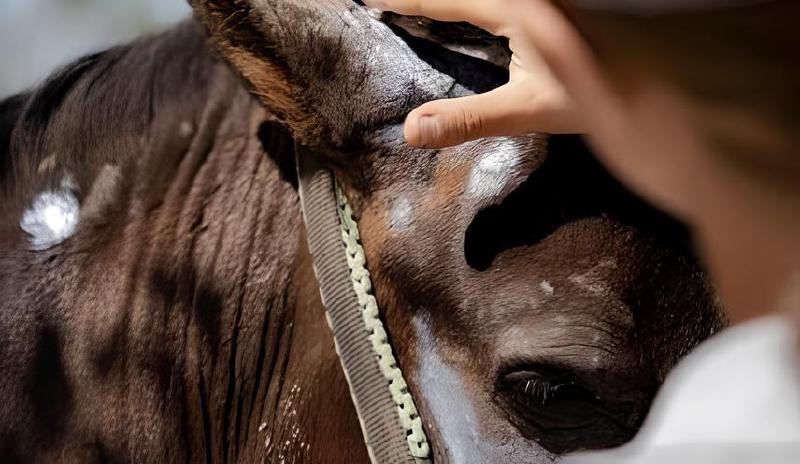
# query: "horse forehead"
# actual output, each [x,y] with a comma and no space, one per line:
[494,168]
[422,200]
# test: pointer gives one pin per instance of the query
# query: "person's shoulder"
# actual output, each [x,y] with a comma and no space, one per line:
[745,453]
[742,386]
[736,399]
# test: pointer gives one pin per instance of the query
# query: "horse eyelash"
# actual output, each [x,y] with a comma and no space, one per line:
[539,389]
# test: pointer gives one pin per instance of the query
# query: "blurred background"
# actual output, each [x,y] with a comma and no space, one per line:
[36,36]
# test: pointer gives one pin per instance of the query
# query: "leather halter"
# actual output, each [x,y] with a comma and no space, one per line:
[389,420]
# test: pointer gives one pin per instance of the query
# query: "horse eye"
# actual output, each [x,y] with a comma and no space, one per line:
[531,388]
[549,406]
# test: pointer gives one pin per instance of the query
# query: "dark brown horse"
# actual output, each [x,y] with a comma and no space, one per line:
[157,301]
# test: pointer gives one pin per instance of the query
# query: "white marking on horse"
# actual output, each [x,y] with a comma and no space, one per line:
[443,389]
[592,281]
[186,129]
[52,217]
[48,164]
[103,194]
[547,288]
[491,174]
[400,213]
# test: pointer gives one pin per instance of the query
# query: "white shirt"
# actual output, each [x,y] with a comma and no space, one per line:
[736,399]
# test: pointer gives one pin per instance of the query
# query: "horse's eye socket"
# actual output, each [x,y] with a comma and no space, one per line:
[554,409]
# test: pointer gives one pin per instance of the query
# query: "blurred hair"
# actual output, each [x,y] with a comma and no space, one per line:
[739,60]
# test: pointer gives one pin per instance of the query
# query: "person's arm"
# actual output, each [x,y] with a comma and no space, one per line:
[533,100]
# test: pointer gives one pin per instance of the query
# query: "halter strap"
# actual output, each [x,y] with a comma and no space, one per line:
[389,419]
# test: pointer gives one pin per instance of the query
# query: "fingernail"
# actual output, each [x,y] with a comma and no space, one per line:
[428,129]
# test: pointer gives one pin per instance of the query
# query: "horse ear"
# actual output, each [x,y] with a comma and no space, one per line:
[10,111]
[326,68]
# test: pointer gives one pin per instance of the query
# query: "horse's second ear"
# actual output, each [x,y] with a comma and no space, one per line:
[326,68]
[235,29]
[10,110]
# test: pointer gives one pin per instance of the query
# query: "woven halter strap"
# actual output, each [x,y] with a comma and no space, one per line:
[389,419]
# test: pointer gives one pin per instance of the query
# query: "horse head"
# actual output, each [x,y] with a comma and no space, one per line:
[535,305]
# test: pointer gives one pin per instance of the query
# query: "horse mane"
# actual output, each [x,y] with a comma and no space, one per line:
[98,103]
[10,111]
[25,118]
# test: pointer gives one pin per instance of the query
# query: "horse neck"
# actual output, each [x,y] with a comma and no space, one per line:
[217,273]
[185,305]
[270,356]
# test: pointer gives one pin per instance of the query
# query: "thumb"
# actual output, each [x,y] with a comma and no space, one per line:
[506,111]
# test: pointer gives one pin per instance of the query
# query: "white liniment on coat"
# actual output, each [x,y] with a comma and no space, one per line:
[52,218]
[493,171]
[547,288]
[400,213]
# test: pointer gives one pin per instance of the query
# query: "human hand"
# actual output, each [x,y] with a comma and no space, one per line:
[532,101]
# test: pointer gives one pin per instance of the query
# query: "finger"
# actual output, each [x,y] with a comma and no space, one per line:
[511,110]
[490,15]
[563,49]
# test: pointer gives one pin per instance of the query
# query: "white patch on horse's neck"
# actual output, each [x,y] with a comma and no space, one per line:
[186,129]
[48,164]
[52,217]
[491,173]
[400,213]
[104,193]
[547,288]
